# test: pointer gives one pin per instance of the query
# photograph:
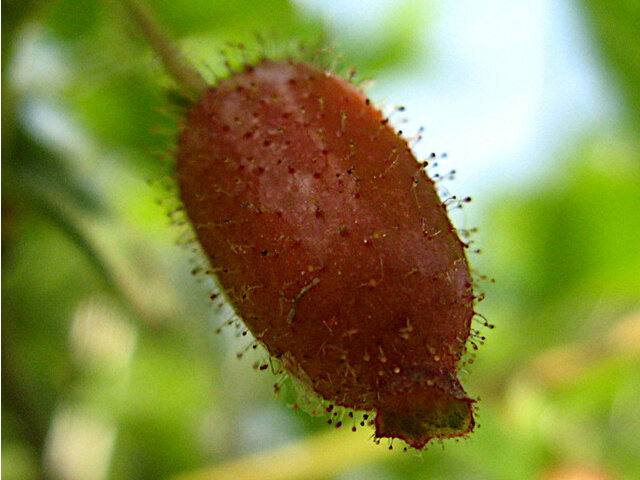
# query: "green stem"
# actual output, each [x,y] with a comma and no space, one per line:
[176,65]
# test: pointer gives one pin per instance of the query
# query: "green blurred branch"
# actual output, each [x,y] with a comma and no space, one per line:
[321,456]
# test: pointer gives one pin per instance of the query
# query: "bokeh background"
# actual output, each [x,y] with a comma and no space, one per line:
[111,367]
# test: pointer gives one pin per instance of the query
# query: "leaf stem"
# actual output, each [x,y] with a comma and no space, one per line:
[182,71]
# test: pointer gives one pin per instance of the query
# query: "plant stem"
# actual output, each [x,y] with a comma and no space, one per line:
[183,72]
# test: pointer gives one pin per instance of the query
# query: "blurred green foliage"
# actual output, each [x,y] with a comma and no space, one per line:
[111,367]
[619,35]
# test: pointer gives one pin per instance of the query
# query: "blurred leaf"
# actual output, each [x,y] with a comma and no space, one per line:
[34,168]
[578,246]
[230,16]
[395,43]
[617,27]
[71,19]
